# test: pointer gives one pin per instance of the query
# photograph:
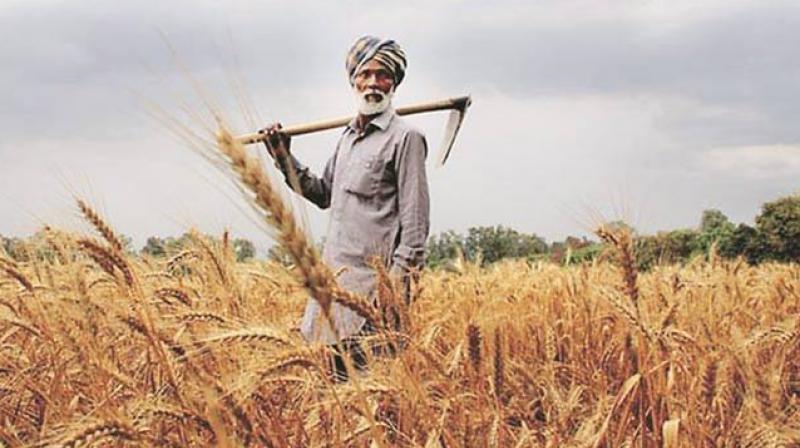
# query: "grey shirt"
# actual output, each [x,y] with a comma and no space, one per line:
[377,189]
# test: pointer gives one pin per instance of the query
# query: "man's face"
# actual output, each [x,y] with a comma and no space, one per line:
[374,87]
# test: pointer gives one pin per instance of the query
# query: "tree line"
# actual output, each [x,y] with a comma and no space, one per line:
[22,249]
[774,237]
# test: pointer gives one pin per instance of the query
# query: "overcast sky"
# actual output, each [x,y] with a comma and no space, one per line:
[654,110]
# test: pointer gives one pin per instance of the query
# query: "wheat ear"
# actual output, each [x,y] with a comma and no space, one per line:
[107,259]
[499,363]
[100,225]
[318,278]
[106,430]
[18,276]
[474,343]
[622,240]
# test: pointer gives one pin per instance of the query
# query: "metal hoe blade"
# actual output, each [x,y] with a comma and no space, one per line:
[453,125]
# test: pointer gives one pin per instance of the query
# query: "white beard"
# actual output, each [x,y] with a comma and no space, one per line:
[371,107]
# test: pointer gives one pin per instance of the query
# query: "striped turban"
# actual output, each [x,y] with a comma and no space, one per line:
[385,51]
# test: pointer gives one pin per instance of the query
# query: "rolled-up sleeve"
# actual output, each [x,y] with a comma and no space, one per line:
[413,201]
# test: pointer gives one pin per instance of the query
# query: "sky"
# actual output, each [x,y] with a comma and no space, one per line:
[650,111]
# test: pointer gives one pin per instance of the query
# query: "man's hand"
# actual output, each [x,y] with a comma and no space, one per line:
[277,143]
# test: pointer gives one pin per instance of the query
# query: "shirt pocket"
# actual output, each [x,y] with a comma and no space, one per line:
[365,177]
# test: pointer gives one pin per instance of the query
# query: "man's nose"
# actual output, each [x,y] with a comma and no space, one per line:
[372,80]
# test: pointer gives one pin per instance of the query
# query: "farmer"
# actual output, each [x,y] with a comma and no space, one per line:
[376,187]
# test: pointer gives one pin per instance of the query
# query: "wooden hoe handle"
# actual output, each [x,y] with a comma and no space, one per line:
[457,103]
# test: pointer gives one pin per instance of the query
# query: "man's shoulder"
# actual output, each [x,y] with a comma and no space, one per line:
[410,138]
[403,127]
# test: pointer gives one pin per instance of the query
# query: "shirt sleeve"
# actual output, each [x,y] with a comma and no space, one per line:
[310,186]
[413,202]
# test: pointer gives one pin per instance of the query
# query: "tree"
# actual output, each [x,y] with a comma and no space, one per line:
[665,247]
[573,250]
[558,251]
[575,243]
[679,245]
[712,219]
[161,247]
[778,228]
[585,253]
[127,244]
[494,243]
[154,246]
[15,248]
[244,249]
[446,246]
[743,241]
[648,251]
[715,228]
[489,244]
[280,255]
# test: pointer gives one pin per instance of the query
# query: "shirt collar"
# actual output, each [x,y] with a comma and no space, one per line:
[382,121]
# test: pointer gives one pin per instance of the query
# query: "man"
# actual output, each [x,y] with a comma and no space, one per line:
[375,185]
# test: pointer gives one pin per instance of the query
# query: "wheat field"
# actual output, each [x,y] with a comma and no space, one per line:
[102,348]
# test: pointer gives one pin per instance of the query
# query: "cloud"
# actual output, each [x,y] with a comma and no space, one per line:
[737,54]
[753,162]
[575,102]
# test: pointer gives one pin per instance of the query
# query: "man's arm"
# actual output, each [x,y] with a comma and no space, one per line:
[299,177]
[413,203]
[302,180]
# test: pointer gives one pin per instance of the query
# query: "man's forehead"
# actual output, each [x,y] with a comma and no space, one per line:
[373,64]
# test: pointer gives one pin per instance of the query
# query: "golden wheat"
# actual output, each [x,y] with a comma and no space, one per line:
[104,347]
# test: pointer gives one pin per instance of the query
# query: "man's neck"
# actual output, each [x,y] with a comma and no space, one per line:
[363,120]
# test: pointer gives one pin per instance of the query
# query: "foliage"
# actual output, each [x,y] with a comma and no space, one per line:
[665,248]
[15,248]
[487,244]
[779,227]
[743,241]
[495,243]
[715,229]
[445,246]
[244,249]
[585,253]
[573,250]
[127,244]
[163,247]
[280,255]
[776,236]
